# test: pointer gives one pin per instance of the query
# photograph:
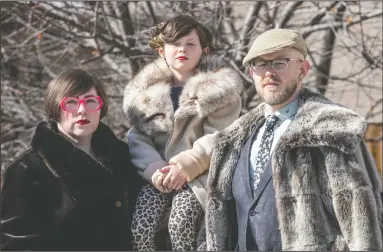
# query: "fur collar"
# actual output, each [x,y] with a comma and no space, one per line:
[319,122]
[74,165]
[147,96]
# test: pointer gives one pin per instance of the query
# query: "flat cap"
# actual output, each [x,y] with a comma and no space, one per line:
[274,40]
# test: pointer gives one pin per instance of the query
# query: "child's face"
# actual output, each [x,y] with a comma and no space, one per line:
[184,54]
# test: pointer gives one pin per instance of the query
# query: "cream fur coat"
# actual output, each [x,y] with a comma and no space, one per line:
[209,102]
[327,188]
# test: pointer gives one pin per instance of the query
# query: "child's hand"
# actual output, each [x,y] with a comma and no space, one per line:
[157,180]
[174,179]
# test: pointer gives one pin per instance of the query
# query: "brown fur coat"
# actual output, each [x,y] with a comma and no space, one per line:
[328,191]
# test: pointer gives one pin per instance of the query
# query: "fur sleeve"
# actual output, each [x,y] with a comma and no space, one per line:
[195,161]
[22,215]
[220,224]
[144,154]
[355,201]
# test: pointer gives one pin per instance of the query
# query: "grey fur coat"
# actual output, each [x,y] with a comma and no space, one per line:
[328,191]
[209,102]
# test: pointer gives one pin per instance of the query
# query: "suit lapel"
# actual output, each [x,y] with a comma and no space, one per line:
[245,165]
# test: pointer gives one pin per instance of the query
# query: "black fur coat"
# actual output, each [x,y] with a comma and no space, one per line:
[56,197]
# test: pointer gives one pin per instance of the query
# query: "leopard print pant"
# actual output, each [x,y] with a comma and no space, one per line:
[183,223]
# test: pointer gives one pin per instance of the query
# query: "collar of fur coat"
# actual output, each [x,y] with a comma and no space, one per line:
[318,122]
[147,96]
[68,161]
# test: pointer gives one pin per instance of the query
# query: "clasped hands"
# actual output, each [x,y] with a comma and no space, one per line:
[169,178]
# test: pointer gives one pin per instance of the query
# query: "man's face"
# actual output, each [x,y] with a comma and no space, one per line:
[277,87]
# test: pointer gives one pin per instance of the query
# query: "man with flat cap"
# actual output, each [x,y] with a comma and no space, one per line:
[294,173]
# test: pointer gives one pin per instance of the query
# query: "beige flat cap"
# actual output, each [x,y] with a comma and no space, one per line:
[274,40]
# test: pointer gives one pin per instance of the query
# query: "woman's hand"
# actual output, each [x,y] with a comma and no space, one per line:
[174,179]
[157,180]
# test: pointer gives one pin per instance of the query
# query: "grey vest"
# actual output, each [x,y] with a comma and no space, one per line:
[256,215]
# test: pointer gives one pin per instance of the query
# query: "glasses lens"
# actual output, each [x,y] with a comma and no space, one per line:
[279,65]
[259,68]
[71,104]
[92,103]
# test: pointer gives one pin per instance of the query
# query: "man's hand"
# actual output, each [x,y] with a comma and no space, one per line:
[175,179]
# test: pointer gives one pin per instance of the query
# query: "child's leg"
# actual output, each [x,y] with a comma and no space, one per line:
[183,223]
[150,206]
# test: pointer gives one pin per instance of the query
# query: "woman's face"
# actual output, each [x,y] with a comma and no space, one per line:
[184,54]
[80,121]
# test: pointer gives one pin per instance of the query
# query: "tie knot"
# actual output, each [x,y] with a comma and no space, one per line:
[271,121]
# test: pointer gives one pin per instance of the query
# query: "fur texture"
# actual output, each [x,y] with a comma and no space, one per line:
[56,197]
[208,102]
[147,101]
[327,186]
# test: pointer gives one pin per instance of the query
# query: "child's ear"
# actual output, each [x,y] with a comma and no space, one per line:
[161,52]
[206,50]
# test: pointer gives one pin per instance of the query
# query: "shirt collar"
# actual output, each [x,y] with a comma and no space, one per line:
[284,113]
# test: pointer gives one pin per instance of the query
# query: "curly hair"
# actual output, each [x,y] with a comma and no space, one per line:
[178,27]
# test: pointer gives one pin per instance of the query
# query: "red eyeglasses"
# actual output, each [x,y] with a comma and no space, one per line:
[71,104]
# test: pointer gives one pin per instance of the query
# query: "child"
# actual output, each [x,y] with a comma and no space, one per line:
[175,105]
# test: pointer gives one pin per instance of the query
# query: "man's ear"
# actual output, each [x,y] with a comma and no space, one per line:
[206,50]
[251,72]
[161,52]
[305,68]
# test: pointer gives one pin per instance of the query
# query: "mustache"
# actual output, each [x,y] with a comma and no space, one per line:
[271,80]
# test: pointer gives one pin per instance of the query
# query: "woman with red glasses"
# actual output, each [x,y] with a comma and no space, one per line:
[75,188]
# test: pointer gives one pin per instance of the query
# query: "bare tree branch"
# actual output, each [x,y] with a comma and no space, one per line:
[324,64]
[309,30]
[249,21]
[288,13]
